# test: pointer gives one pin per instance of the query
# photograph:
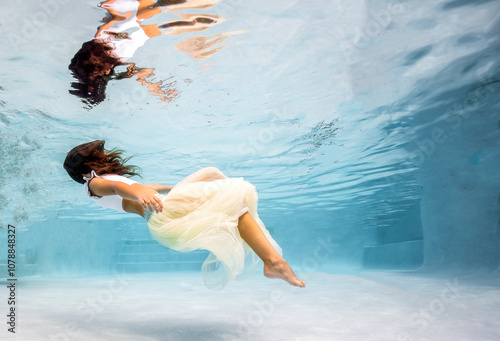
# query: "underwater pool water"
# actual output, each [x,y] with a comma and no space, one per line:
[370,130]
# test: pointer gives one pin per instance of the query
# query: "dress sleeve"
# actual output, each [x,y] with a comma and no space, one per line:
[119,178]
[86,184]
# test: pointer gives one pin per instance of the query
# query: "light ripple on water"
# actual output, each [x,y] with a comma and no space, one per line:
[329,152]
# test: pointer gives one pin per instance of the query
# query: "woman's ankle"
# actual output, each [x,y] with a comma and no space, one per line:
[274,260]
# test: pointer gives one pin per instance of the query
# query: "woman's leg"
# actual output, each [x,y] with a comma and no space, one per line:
[274,265]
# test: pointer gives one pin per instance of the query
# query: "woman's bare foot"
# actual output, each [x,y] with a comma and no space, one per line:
[279,268]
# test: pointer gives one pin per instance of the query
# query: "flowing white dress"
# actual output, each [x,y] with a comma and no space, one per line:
[202,212]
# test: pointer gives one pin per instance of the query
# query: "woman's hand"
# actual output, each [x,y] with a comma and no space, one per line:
[150,201]
[136,192]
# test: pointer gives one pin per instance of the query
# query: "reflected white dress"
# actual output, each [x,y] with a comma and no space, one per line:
[202,212]
[124,48]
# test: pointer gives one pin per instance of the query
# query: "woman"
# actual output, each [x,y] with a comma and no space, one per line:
[206,211]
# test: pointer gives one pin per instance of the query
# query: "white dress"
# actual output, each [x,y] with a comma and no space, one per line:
[114,202]
[201,212]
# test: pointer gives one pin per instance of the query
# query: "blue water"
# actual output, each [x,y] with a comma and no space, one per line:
[370,129]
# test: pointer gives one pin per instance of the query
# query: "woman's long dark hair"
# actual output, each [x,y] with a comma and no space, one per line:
[92,156]
[93,66]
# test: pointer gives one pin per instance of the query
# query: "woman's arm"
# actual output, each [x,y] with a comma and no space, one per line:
[160,188]
[136,192]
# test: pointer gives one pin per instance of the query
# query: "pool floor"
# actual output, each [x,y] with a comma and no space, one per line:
[176,306]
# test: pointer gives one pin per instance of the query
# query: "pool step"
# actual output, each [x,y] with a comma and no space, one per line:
[397,256]
[158,267]
[147,257]
[150,256]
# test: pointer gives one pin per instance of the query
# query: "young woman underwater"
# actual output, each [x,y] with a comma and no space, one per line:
[206,210]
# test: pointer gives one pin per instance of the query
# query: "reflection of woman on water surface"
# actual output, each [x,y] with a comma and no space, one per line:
[122,34]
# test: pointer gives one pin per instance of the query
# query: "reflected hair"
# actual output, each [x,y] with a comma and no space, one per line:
[93,67]
[92,156]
